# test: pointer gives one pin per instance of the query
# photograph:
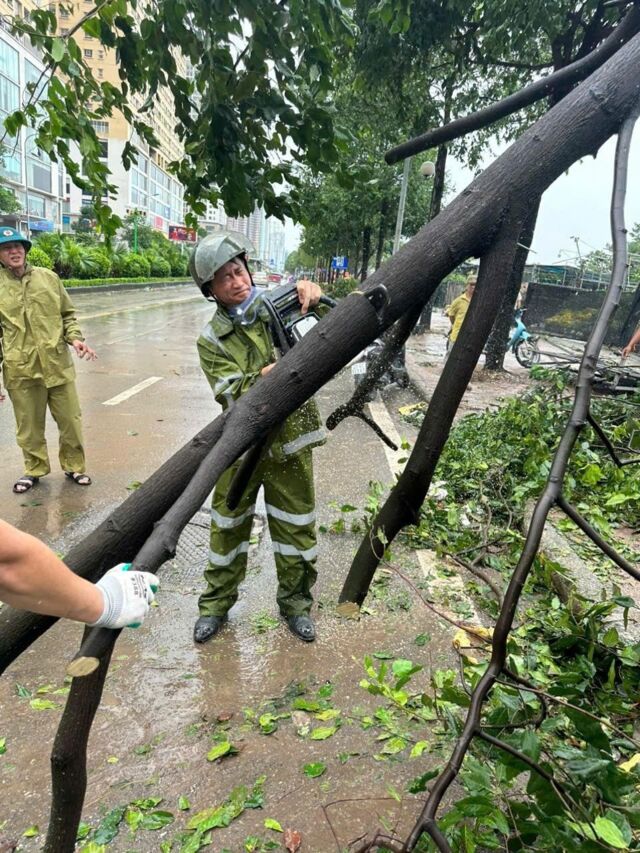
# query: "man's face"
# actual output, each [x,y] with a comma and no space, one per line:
[471,287]
[231,284]
[13,255]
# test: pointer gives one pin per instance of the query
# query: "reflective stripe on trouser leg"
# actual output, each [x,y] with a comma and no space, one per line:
[30,409]
[229,543]
[290,499]
[65,408]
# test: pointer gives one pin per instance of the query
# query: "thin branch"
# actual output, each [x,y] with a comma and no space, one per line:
[566,77]
[550,493]
[595,537]
[556,699]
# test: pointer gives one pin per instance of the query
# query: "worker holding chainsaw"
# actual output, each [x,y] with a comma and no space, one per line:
[236,349]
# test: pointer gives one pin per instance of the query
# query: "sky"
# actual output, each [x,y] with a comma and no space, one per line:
[576,205]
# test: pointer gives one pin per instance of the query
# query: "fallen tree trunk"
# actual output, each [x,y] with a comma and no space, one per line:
[574,128]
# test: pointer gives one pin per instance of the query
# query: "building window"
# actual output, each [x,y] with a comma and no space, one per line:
[100,126]
[8,61]
[99,73]
[64,31]
[88,53]
[8,95]
[64,13]
[101,54]
[39,176]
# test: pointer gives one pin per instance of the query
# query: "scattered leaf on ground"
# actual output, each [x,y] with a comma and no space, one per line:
[314,769]
[292,840]
[270,823]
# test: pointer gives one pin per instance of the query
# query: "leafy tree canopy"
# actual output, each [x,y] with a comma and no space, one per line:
[253,104]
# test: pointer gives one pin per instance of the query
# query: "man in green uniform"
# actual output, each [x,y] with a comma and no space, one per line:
[37,326]
[236,350]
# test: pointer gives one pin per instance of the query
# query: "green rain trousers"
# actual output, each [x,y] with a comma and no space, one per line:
[290,504]
[30,401]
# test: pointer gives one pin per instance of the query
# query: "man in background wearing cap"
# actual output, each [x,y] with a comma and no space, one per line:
[236,350]
[37,326]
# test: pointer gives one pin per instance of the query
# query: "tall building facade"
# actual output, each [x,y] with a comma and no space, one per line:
[49,199]
[25,169]
[266,234]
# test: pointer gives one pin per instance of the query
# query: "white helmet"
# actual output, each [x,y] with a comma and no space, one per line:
[213,252]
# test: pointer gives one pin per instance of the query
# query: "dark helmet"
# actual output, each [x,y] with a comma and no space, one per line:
[10,235]
[213,252]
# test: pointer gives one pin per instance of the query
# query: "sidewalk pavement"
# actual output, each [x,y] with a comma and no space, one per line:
[425,360]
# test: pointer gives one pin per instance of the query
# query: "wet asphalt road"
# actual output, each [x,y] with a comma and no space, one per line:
[164,694]
[139,336]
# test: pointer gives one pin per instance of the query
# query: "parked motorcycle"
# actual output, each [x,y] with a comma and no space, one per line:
[395,373]
[522,343]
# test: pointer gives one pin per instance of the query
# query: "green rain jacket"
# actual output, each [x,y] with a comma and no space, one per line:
[37,322]
[232,356]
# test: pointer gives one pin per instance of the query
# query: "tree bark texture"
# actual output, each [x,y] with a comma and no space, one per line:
[69,757]
[366,251]
[403,504]
[574,128]
[499,337]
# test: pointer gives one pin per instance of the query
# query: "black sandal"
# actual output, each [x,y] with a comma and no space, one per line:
[78,478]
[25,483]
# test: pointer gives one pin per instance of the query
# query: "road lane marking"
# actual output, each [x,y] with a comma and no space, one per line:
[381,416]
[142,307]
[135,389]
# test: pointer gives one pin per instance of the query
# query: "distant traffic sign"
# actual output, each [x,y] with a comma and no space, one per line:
[339,262]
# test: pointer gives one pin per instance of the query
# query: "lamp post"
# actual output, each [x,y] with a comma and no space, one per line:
[427,170]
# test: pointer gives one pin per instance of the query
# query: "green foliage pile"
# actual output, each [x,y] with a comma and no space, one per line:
[580,789]
[496,461]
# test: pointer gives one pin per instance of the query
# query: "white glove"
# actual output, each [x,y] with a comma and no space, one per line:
[127,596]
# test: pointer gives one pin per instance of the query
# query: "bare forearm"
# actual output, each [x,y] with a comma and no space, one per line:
[33,578]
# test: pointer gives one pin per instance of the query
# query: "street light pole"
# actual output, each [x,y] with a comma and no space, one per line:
[401,204]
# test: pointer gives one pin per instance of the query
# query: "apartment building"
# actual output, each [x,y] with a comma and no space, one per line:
[35,180]
[49,198]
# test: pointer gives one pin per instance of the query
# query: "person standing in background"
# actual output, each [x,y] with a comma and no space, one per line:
[37,327]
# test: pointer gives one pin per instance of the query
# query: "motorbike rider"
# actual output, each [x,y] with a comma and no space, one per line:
[236,350]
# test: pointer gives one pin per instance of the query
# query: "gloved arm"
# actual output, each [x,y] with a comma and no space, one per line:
[127,597]
[33,578]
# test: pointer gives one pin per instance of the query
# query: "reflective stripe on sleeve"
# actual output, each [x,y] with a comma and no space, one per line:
[291,551]
[299,520]
[302,441]
[225,522]
[226,559]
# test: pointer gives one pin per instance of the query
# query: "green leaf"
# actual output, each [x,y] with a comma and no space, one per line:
[183,804]
[43,705]
[156,820]
[221,749]
[270,823]
[22,691]
[314,769]
[609,832]
[323,732]
[3,745]
[31,832]
[58,49]
[109,826]
[92,847]
[419,748]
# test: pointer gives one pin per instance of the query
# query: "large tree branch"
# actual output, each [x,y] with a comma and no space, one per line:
[568,76]
[577,126]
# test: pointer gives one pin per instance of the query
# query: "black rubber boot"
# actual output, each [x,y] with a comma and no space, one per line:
[207,627]
[302,627]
